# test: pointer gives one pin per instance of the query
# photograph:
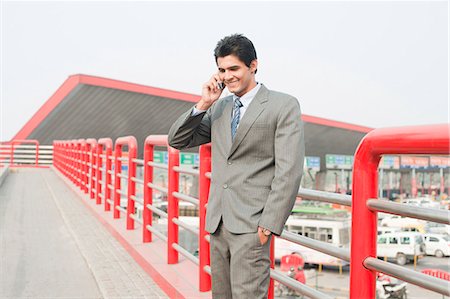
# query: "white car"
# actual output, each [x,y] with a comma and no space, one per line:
[425,202]
[400,221]
[438,245]
[438,228]
[400,246]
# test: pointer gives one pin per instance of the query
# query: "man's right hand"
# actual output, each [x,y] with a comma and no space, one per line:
[210,93]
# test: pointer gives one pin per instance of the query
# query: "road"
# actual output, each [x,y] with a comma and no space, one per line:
[334,284]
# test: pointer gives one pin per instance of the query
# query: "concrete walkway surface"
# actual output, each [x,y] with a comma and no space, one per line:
[52,246]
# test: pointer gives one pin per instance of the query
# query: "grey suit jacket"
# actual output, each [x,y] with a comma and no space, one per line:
[255,178]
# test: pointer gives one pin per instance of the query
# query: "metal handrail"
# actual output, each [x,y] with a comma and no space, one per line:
[423,280]
[321,246]
[186,253]
[429,214]
[341,199]
[186,170]
[188,227]
[294,284]
[158,165]
[187,198]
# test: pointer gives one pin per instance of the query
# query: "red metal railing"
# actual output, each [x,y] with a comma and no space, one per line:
[8,149]
[131,142]
[433,139]
[412,140]
[107,144]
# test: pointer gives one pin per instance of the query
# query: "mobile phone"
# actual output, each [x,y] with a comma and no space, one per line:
[220,85]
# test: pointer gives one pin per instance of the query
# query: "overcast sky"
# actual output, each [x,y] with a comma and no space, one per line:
[376,64]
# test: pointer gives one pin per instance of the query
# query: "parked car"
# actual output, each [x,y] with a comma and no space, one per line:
[400,246]
[404,222]
[438,228]
[426,202]
[438,245]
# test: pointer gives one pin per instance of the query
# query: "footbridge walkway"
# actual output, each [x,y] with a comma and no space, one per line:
[84,224]
[52,246]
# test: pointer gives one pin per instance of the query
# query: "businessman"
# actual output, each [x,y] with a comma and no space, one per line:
[257,143]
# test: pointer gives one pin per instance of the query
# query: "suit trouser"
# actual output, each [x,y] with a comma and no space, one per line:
[240,265]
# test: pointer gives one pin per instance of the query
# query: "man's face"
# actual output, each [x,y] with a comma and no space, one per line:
[238,77]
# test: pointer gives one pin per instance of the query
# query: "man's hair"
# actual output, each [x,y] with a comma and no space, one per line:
[238,45]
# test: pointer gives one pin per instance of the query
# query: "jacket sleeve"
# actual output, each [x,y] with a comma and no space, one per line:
[190,131]
[289,158]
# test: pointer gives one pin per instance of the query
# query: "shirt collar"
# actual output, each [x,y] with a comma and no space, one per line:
[247,98]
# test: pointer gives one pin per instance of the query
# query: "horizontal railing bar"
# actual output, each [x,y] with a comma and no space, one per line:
[158,165]
[123,176]
[111,172]
[136,218]
[157,211]
[137,199]
[186,253]
[207,269]
[121,192]
[341,199]
[156,232]
[123,210]
[187,198]
[423,280]
[122,159]
[139,181]
[156,187]
[111,187]
[435,215]
[294,284]
[186,170]
[188,227]
[110,201]
[317,245]
[138,161]
[100,195]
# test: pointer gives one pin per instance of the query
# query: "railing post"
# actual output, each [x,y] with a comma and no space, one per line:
[132,154]
[12,155]
[98,173]
[204,184]
[107,142]
[271,294]
[108,180]
[92,161]
[148,192]
[117,182]
[82,164]
[172,205]
[365,184]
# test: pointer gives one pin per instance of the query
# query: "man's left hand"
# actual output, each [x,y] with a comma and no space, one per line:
[262,237]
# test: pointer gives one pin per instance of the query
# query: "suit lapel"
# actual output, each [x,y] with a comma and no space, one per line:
[255,108]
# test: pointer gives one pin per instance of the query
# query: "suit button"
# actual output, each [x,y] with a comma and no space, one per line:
[229,162]
[225,186]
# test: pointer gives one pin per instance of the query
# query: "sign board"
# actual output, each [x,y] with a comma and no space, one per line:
[439,162]
[409,162]
[312,163]
[338,161]
[390,162]
[185,158]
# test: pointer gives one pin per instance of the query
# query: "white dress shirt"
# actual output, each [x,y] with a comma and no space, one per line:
[246,99]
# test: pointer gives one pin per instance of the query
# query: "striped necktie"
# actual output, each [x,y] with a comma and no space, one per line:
[236,116]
